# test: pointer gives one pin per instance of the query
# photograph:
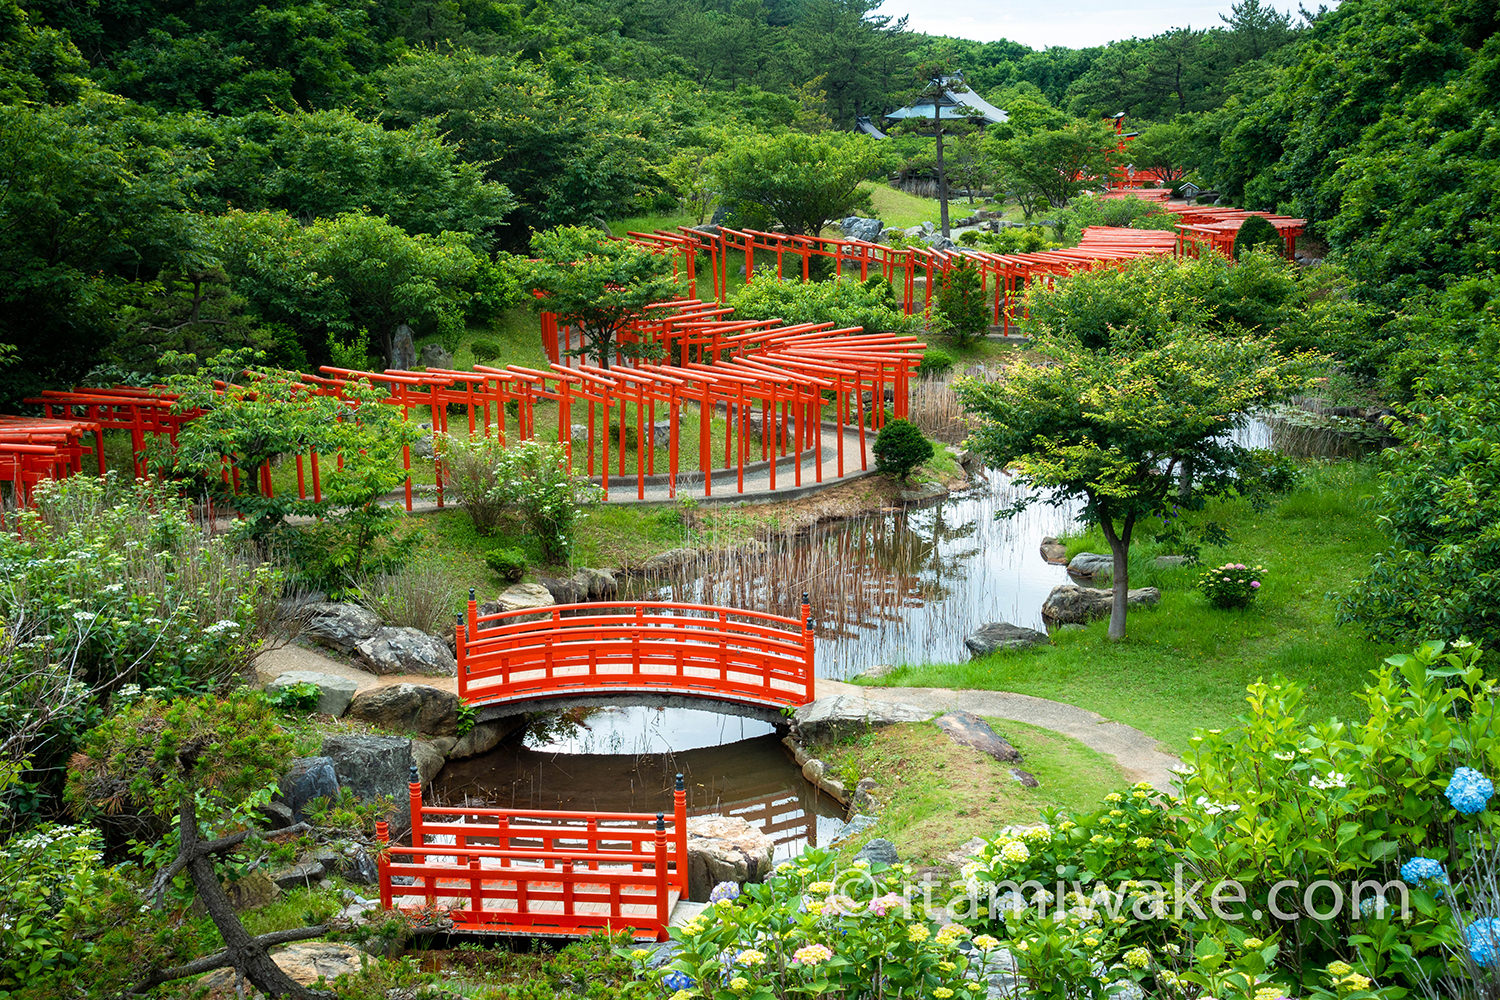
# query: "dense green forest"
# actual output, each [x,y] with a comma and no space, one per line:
[184,176]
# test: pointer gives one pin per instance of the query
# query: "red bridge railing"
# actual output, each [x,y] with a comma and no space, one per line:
[722,654]
[538,871]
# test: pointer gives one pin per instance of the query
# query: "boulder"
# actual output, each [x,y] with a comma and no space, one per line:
[939,242]
[275,815]
[299,876]
[1025,778]
[840,715]
[1090,564]
[252,891]
[402,650]
[429,760]
[917,231]
[725,849]
[1053,551]
[403,350]
[422,448]
[994,636]
[877,671]
[661,434]
[878,851]
[435,356]
[485,736]
[856,825]
[971,462]
[305,962]
[812,770]
[307,778]
[372,766]
[856,228]
[969,730]
[584,585]
[408,708]
[339,626]
[334,692]
[666,562]
[863,800]
[519,597]
[1070,604]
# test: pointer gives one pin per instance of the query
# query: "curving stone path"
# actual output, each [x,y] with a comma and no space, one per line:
[1138,755]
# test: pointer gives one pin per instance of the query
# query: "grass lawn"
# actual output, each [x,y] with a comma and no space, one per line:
[937,794]
[1185,664]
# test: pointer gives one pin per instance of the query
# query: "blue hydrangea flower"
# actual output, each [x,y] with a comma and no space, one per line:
[675,981]
[1469,791]
[1419,870]
[1483,936]
[724,890]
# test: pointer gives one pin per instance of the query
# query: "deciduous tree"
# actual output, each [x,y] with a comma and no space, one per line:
[797,182]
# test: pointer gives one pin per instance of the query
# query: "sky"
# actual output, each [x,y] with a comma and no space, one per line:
[1073,23]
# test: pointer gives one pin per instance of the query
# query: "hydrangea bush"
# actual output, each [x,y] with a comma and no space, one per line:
[1232,585]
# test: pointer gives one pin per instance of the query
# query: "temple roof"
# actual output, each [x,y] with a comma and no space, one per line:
[953,104]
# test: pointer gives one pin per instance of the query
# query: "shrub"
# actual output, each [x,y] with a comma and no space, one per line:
[935,362]
[870,305]
[486,350]
[1256,233]
[508,564]
[900,447]
[295,699]
[533,478]
[471,466]
[1232,585]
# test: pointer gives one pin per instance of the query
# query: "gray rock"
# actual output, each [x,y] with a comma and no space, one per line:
[251,891]
[922,493]
[661,434]
[307,778]
[928,228]
[408,708]
[298,876]
[403,350]
[994,636]
[863,800]
[977,371]
[965,852]
[917,231]
[879,851]
[857,824]
[374,766]
[1053,551]
[486,736]
[666,562]
[1070,604]
[276,815]
[334,692]
[971,462]
[402,650]
[435,356]
[579,432]
[969,730]
[584,585]
[304,963]
[841,715]
[878,670]
[857,228]
[725,849]
[939,242]
[812,770]
[429,760]
[1167,562]
[422,448]
[1089,564]
[1026,778]
[339,626]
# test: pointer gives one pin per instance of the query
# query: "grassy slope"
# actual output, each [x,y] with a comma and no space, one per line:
[1185,664]
[937,794]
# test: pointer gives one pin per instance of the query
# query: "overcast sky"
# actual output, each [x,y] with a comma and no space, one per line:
[1073,23]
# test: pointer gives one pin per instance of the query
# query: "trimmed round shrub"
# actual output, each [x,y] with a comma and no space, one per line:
[1257,234]
[935,362]
[899,448]
[508,564]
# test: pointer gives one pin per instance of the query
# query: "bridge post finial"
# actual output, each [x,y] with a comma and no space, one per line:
[471,594]
[661,822]
[680,785]
[414,776]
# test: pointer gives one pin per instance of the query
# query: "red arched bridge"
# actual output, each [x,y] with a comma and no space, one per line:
[558,872]
[745,662]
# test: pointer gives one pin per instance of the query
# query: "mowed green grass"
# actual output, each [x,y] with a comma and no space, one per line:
[1185,664]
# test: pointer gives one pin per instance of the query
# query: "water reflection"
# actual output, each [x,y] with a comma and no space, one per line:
[903,586]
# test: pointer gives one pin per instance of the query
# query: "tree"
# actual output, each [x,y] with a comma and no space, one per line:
[1056,164]
[795,181]
[1109,428]
[205,760]
[1166,148]
[598,286]
[1256,233]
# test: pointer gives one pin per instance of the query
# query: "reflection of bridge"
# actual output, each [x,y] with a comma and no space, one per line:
[746,662]
[778,811]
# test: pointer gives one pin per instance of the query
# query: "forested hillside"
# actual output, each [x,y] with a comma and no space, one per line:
[185,176]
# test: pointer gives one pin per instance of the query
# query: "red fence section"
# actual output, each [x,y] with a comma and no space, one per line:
[539,871]
[720,654]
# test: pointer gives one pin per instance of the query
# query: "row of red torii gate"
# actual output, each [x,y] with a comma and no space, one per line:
[732,407]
